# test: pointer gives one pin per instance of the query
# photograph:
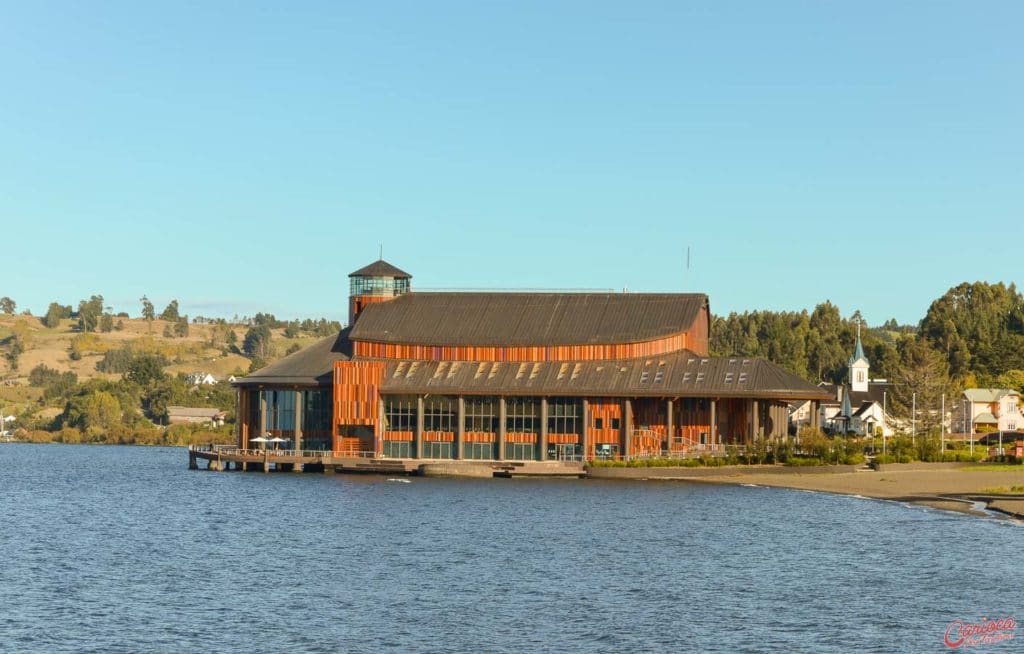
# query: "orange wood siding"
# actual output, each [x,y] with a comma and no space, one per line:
[518,437]
[606,410]
[480,437]
[674,343]
[349,446]
[690,420]
[397,436]
[439,436]
[357,392]
[563,439]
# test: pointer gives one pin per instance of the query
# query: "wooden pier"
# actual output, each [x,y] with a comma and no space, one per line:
[223,458]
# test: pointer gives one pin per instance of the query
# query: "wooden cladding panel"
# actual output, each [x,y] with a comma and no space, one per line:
[605,410]
[519,437]
[357,303]
[357,392]
[397,436]
[563,439]
[439,436]
[518,354]
[350,446]
[480,437]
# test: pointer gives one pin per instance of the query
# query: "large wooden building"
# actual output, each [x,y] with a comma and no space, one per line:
[516,377]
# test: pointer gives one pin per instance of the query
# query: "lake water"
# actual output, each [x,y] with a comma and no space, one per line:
[109,549]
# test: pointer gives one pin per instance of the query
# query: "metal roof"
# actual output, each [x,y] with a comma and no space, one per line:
[311,366]
[380,268]
[681,374]
[527,319]
[988,394]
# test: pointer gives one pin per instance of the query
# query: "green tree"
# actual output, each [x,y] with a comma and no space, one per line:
[106,323]
[7,305]
[89,312]
[256,344]
[146,369]
[170,313]
[291,330]
[53,316]
[979,328]
[148,312]
[93,410]
[181,327]
[923,377]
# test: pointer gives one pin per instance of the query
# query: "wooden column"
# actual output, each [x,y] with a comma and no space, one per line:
[669,423]
[460,430]
[418,434]
[813,417]
[543,437]
[714,422]
[755,420]
[502,414]
[627,427]
[263,415]
[585,420]
[298,423]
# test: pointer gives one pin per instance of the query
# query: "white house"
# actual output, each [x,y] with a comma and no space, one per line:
[860,404]
[200,379]
[997,408]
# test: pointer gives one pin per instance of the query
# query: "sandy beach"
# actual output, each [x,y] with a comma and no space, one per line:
[954,490]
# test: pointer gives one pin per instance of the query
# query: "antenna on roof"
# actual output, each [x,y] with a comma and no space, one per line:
[686,279]
[382,252]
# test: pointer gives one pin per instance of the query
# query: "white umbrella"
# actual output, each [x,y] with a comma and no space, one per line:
[277,439]
[258,439]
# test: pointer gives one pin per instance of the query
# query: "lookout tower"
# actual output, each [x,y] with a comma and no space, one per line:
[377,282]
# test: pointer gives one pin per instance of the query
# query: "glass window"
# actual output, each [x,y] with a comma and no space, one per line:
[563,415]
[400,413]
[522,415]
[440,413]
[481,415]
[598,423]
[615,423]
[280,410]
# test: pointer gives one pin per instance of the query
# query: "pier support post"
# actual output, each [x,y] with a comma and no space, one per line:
[192,464]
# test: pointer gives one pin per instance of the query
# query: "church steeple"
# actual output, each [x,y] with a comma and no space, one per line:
[859,367]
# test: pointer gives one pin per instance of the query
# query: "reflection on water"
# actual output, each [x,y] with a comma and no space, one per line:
[124,549]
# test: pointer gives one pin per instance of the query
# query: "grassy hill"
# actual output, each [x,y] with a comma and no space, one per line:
[64,348]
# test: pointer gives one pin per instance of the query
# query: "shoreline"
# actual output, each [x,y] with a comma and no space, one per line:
[960,491]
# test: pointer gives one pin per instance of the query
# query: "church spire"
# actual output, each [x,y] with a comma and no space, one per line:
[859,367]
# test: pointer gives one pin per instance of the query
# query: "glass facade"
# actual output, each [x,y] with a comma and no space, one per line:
[384,286]
[441,413]
[564,415]
[400,413]
[397,449]
[481,414]
[317,408]
[280,410]
[522,415]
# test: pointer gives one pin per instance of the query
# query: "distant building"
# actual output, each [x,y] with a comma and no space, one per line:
[201,379]
[993,409]
[858,406]
[177,415]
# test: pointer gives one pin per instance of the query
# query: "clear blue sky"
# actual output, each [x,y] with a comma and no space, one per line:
[245,156]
